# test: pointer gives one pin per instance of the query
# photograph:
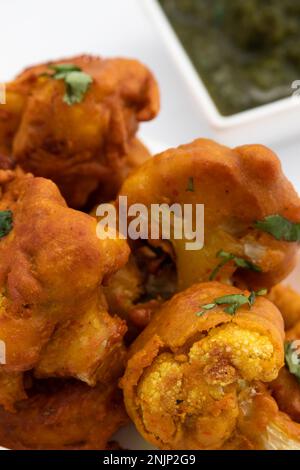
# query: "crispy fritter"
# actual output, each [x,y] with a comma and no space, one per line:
[237,187]
[52,267]
[189,373]
[64,416]
[87,147]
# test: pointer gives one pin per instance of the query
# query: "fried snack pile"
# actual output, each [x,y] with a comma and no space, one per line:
[84,142]
[190,343]
[238,188]
[53,314]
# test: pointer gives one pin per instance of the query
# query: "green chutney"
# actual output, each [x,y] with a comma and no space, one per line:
[247,52]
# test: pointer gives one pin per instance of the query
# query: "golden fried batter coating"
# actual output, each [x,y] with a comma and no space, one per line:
[287,300]
[237,187]
[52,267]
[11,389]
[87,347]
[85,147]
[286,391]
[64,416]
[124,288]
[138,289]
[10,116]
[188,373]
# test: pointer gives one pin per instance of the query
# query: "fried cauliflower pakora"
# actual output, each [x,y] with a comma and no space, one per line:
[238,188]
[193,368]
[53,319]
[64,415]
[87,146]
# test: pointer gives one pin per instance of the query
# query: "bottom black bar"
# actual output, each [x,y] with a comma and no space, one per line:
[139,459]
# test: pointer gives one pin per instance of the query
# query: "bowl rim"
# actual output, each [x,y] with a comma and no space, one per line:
[197,86]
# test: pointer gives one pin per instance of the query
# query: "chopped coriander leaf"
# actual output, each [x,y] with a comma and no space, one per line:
[252,298]
[233,302]
[292,357]
[243,263]
[190,185]
[240,263]
[239,299]
[226,258]
[225,254]
[253,295]
[231,309]
[208,306]
[6,222]
[64,68]
[205,307]
[261,292]
[214,273]
[76,81]
[77,84]
[199,314]
[280,227]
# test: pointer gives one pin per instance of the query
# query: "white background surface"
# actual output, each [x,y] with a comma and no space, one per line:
[34,30]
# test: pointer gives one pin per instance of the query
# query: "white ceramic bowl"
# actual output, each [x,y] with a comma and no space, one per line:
[269,123]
